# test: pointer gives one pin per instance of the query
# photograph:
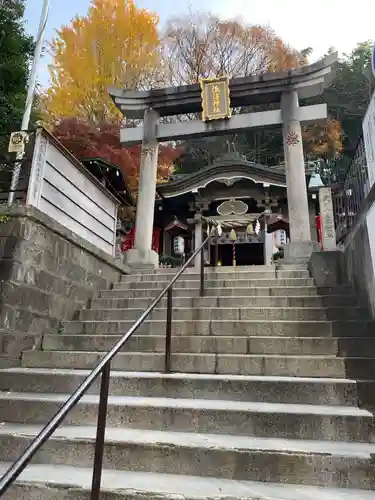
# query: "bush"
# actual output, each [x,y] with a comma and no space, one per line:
[278,255]
[169,261]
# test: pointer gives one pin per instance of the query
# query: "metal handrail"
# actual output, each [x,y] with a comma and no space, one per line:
[103,368]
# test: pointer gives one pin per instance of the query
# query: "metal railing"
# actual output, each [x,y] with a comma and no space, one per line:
[104,369]
[349,196]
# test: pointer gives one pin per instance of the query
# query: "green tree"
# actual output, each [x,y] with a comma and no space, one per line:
[16,51]
[350,94]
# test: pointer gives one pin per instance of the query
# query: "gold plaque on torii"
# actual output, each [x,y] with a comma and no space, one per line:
[215,98]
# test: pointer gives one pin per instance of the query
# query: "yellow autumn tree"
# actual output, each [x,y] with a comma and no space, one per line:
[283,57]
[323,140]
[116,43]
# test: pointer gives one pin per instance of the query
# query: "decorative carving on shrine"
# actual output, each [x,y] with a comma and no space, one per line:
[200,204]
[267,202]
[232,207]
[229,182]
[215,98]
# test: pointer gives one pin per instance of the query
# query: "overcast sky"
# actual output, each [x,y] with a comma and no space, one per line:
[318,24]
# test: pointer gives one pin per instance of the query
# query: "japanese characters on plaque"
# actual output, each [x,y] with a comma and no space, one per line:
[327,219]
[215,98]
[280,237]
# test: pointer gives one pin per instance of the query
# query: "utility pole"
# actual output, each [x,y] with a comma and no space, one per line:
[30,95]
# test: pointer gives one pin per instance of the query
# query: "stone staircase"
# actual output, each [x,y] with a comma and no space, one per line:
[260,405]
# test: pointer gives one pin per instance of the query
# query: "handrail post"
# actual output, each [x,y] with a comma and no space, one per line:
[201,288]
[216,259]
[100,433]
[168,332]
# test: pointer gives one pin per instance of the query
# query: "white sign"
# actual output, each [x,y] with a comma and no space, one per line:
[17,142]
[368,126]
[280,237]
[328,221]
[179,245]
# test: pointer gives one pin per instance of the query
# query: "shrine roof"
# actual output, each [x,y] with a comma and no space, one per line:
[222,170]
[265,88]
[114,177]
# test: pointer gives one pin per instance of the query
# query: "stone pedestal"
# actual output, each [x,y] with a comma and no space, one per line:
[141,259]
[142,255]
[299,252]
[326,268]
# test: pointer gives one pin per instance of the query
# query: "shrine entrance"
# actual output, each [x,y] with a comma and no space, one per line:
[247,254]
[243,238]
[215,98]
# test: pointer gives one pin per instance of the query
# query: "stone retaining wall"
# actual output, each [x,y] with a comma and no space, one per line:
[358,266]
[47,274]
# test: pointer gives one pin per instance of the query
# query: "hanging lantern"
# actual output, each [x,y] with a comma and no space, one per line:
[257,227]
[233,235]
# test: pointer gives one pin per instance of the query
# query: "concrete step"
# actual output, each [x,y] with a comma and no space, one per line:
[229,313]
[8,361]
[318,463]
[245,301]
[291,390]
[279,266]
[275,365]
[345,347]
[230,275]
[348,328]
[259,420]
[224,269]
[236,291]
[74,483]
[220,283]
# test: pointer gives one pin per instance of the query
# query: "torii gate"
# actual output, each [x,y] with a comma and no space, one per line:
[214,98]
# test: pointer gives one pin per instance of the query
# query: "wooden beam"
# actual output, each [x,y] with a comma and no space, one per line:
[236,124]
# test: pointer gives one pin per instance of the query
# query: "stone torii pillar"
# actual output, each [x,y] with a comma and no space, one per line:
[142,255]
[300,246]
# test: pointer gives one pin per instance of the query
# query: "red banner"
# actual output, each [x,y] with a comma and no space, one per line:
[128,240]
[156,239]
[318,222]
